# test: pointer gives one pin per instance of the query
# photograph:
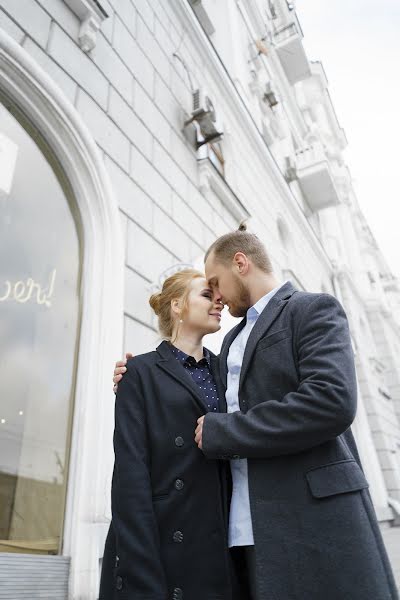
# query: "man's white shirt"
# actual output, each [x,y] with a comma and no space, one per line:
[240,526]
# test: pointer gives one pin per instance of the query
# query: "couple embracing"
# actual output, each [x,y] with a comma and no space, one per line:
[237,477]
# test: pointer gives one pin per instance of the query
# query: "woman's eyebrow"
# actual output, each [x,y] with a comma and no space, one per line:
[207,290]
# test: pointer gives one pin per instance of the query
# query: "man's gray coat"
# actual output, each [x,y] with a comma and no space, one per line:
[315,530]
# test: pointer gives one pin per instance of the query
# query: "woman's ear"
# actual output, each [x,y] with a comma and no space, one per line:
[176,307]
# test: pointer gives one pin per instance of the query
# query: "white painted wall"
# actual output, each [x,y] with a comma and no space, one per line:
[131,94]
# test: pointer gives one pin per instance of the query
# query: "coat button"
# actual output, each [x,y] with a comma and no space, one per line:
[179,484]
[179,441]
[178,536]
[118,582]
[178,594]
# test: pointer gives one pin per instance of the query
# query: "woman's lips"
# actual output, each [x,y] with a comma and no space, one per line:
[217,315]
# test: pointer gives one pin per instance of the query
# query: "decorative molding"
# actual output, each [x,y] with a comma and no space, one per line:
[28,86]
[91,15]
[346,282]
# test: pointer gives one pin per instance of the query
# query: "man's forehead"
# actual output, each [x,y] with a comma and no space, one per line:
[211,271]
[212,281]
[208,268]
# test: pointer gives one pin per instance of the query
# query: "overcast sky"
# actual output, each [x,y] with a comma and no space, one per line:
[358,42]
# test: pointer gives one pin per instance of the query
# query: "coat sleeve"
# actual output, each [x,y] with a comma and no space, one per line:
[321,408]
[140,572]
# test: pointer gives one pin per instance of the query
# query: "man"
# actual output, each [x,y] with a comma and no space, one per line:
[302,525]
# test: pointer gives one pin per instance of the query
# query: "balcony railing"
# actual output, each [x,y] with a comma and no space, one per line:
[284,34]
[315,178]
[289,46]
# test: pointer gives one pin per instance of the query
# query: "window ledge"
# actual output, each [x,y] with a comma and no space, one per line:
[210,178]
[202,16]
[91,15]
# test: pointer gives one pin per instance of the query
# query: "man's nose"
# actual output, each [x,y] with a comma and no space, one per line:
[217,296]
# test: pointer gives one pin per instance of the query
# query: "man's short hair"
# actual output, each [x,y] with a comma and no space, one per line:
[225,247]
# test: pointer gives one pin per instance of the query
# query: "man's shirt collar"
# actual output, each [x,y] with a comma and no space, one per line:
[255,311]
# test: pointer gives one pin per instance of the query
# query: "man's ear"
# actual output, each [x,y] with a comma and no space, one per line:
[241,262]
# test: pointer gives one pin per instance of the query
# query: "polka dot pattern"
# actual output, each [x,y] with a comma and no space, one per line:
[201,374]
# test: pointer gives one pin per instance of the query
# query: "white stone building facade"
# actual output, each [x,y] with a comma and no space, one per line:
[106,183]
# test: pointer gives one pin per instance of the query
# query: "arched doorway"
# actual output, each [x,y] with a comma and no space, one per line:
[80,281]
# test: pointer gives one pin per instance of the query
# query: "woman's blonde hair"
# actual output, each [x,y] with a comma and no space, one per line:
[177,286]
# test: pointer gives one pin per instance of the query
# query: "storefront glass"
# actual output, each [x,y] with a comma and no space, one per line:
[39,324]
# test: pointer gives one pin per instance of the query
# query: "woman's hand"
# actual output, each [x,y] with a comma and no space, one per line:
[119,370]
[199,432]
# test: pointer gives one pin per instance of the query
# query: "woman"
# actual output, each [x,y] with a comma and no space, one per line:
[168,536]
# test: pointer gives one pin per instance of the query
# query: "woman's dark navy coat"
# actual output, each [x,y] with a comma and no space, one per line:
[168,536]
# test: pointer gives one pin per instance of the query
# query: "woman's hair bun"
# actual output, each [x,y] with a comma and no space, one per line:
[242,226]
[154,302]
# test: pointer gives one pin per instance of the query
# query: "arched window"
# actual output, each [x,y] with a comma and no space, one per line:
[80,447]
[39,323]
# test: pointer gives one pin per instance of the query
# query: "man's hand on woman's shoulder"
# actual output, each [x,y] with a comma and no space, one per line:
[120,369]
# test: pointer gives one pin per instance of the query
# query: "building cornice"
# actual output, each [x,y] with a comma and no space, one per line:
[91,15]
